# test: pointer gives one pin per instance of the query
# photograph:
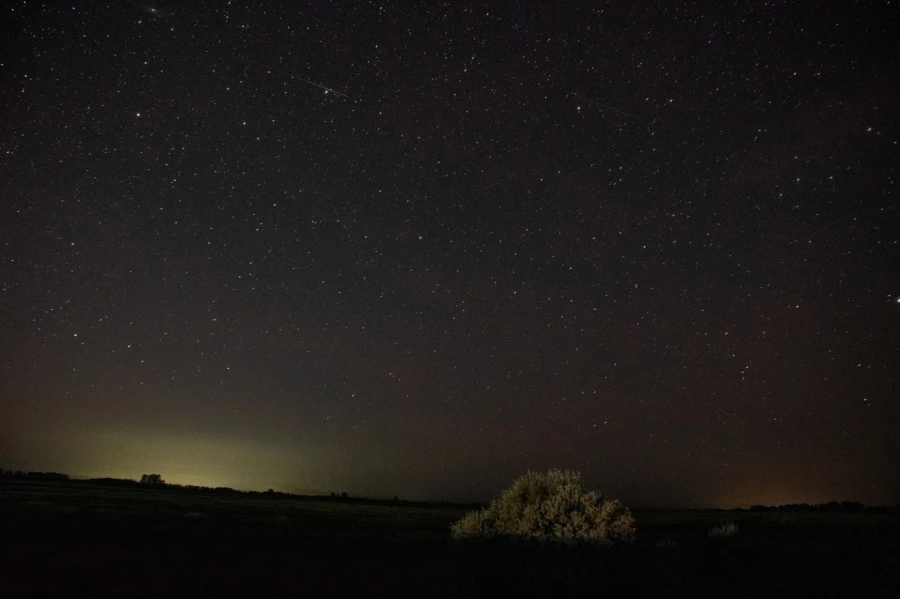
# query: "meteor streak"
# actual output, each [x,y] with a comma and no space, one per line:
[327,89]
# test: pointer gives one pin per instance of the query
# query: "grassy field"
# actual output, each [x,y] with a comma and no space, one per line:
[74,539]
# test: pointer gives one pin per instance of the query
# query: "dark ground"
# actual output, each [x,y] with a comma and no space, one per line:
[72,539]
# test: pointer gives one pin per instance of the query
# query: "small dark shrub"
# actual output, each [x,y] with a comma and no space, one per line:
[153,480]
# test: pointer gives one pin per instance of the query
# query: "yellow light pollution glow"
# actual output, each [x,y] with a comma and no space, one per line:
[202,460]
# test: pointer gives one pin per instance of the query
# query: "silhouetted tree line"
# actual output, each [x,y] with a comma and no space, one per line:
[55,476]
[111,482]
[832,506]
[155,481]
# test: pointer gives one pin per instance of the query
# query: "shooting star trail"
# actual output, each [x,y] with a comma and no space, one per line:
[607,106]
[715,407]
[327,89]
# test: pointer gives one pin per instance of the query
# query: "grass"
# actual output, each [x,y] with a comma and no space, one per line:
[68,539]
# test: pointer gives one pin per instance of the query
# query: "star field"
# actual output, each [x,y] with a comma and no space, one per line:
[415,250]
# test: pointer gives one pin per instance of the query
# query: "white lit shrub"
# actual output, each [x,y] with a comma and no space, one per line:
[550,507]
[726,529]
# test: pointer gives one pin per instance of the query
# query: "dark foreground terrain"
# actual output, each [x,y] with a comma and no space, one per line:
[72,539]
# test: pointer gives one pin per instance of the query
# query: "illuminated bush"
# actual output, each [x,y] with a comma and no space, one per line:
[722,531]
[550,507]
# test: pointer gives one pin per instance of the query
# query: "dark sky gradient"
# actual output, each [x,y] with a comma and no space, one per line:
[655,242]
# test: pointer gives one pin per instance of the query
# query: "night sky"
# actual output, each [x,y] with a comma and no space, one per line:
[417,250]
